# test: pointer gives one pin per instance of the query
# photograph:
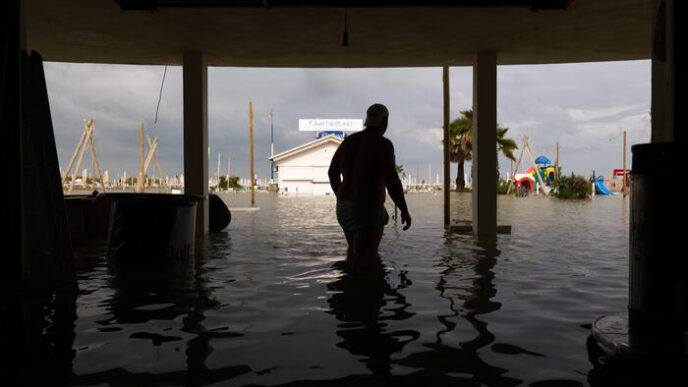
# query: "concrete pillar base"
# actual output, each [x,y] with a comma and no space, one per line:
[466,227]
[622,356]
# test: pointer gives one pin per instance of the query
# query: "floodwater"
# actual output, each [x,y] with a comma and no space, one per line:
[268,302]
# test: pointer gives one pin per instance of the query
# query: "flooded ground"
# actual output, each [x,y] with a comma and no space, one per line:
[267,302]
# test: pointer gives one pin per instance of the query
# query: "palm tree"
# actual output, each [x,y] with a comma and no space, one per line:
[460,136]
[400,170]
[460,144]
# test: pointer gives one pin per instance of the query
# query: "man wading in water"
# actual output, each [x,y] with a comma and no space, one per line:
[366,162]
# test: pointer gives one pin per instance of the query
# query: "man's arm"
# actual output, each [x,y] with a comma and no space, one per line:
[334,172]
[394,187]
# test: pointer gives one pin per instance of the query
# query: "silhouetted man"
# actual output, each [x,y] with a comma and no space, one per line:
[365,160]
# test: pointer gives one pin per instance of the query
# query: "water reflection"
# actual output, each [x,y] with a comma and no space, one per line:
[365,302]
[465,302]
[186,323]
[148,293]
[37,336]
[156,290]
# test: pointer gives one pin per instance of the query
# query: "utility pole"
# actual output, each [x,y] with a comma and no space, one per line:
[253,184]
[624,166]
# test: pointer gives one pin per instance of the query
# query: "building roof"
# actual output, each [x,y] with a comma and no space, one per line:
[306,147]
[242,34]
[521,176]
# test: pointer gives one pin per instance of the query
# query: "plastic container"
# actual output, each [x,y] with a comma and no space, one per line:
[152,226]
[88,217]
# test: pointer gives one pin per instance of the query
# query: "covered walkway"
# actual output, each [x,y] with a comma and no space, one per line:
[198,34]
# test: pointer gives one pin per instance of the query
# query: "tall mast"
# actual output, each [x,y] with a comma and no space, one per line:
[272,148]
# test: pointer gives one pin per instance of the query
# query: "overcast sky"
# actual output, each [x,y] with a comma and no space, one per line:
[586,107]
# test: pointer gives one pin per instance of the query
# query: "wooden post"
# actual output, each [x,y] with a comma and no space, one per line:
[514,169]
[157,163]
[93,167]
[151,153]
[81,156]
[624,166]
[94,157]
[532,159]
[556,165]
[253,190]
[141,186]
[76,151]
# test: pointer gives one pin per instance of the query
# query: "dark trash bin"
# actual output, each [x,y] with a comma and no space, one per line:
[88,217]
[152,226]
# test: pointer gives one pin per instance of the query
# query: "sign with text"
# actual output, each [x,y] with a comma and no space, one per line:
[326,124]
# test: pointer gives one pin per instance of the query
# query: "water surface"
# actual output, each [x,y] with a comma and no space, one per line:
[268,300]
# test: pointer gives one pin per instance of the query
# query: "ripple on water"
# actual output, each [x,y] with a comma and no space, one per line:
[266,301]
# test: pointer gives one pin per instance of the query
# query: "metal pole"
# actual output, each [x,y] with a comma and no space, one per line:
[272,148]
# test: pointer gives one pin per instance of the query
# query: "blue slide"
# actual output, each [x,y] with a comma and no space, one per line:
[600,188]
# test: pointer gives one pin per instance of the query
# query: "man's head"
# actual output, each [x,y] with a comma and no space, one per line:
[376,117]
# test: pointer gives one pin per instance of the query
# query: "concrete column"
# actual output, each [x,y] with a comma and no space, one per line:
[485,145]
[445,145]
[669,78]
[11,157]
[657,285]
[196,134]
[660,77]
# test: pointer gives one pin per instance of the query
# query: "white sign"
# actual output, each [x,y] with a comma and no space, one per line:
[325,124]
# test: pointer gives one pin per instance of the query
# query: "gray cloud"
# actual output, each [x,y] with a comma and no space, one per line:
[584,106]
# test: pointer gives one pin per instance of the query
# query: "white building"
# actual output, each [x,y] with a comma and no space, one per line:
[303,169]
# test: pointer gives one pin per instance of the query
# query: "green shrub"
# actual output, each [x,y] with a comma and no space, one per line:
[503,186]
[576,187]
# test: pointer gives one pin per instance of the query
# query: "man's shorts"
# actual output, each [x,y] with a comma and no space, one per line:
[356,215]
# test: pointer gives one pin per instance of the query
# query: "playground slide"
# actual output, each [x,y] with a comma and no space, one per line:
[601,189]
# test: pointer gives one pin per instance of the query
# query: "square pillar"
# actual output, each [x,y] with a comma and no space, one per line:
[195,80]
[12,159]
[445,146]
[669,79]
[485,145]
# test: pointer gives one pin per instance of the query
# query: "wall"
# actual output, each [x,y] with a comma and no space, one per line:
[306,172]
